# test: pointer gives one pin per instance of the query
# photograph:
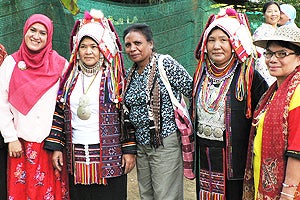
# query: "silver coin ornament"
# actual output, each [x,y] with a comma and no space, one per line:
[84,101]
[83,111]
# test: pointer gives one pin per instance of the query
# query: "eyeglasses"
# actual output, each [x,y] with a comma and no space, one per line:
[278,54]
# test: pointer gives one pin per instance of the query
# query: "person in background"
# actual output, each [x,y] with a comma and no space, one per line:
[271,11]
[226,91]
[287,15]
[3,146]
[29,80]
[273,162]
[159,158]
[86,123]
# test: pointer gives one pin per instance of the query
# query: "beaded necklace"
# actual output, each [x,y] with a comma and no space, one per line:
[215,87]
[219,74]
[90,71]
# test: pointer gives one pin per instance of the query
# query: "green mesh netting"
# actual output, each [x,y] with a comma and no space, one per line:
[177,24]
[14,13]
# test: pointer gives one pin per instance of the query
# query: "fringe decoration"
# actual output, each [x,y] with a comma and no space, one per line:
[85,174]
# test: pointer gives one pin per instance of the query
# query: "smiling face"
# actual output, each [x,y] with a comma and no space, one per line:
[282,67]
[272,15]
[283,19]
[218,47]
[36,37]
[138,48]
[89,52]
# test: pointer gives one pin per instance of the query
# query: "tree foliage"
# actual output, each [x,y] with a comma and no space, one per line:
[251,6]
[71,5]
[140,1]
[257,6]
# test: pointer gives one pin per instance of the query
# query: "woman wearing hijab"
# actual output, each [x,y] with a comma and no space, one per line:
[225,93]
[87,123]
[29,80]
[273,163]
[287,15]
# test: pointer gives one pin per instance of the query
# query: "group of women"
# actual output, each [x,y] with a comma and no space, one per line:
[274,15]
[74,130]
[246,133]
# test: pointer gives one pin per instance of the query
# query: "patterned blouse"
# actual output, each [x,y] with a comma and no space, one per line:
[136,99]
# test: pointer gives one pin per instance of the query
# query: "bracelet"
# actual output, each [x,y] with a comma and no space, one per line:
[288,186]
[288,195]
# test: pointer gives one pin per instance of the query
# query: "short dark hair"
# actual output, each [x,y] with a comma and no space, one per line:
[86,36]
[144,29]
[285,44]
[267,4]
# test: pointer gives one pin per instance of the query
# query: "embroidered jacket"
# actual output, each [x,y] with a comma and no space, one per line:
[109,133]
[238,126]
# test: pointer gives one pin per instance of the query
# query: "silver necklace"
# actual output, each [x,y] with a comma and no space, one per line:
[90,71]
[84,111]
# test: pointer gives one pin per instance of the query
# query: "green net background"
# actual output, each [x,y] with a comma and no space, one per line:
[177,24]
[13,14]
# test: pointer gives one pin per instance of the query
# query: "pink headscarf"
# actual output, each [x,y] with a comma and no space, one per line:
[43,69]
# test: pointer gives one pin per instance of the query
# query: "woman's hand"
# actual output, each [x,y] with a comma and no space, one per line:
[128,162]
[15,149]
[292,179]
[57,160]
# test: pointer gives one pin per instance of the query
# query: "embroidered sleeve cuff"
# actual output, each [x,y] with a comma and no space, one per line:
[129,148]
[53,146]
[293,154]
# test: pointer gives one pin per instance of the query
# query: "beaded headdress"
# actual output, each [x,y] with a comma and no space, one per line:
[236,26]
[102,31]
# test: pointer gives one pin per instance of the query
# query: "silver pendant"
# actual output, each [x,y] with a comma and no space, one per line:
[84,101]
[83,111]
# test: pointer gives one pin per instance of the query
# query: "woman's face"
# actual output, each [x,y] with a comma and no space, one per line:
[281,67]
[283,19]
[36,37]
[89,52]
[218,47]
[138,48]
[272,15]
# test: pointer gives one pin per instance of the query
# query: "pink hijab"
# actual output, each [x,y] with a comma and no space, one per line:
[43,69]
